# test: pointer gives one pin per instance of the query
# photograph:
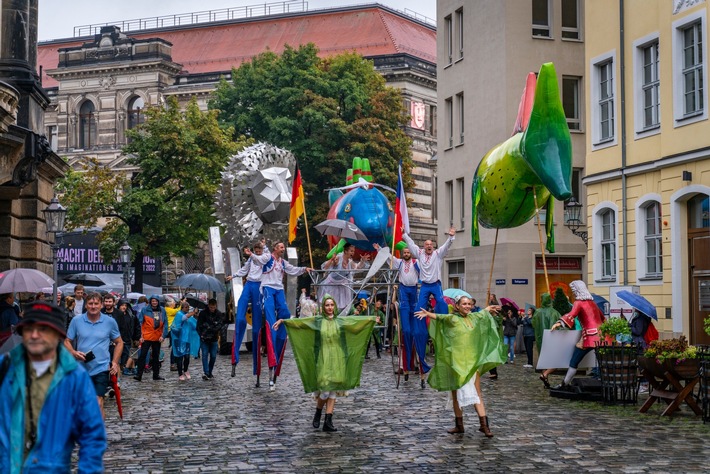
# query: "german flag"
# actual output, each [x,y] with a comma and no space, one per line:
[298,205]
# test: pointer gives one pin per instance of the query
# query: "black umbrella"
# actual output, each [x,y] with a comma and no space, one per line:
[86,279]
[195,302]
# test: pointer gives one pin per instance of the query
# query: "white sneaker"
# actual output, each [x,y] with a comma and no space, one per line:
[527,366]
[272,386]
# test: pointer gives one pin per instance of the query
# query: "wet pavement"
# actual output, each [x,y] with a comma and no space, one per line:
[228,425]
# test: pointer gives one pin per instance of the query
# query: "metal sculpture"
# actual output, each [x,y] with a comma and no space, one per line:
[254,198]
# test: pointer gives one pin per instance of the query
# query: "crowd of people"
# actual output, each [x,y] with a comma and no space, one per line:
[83,345]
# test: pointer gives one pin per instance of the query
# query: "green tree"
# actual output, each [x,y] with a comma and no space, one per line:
[326,111]
[561,302]
[166,207]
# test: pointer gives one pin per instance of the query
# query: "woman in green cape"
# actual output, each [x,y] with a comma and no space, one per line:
[467,344]
[329,353]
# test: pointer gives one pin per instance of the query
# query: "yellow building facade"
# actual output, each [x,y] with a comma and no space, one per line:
[648,156]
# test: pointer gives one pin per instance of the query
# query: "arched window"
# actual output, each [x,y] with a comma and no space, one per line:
[87,125]
[608,244]
[652,237]
[136,114]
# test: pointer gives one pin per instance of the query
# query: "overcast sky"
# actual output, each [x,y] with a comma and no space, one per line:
[57,18]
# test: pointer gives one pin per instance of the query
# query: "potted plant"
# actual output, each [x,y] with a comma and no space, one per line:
[616,330]
[672,355]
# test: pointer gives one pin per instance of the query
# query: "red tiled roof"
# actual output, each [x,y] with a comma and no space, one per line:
[370,31]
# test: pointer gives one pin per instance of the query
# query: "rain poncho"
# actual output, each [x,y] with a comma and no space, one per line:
[543,318]
[329,353]
[464,345]
[184,335]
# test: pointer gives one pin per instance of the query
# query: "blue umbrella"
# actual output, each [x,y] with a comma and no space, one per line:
[454,292]
[200,281]
[639,303]
[602,303]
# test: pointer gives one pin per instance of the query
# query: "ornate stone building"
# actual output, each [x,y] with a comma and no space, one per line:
[28,167]
[99,85]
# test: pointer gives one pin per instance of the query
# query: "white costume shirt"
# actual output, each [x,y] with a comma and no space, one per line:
[429,265]
[408,275]
[274,278]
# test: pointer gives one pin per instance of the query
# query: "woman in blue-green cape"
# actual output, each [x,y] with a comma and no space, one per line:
[329,353]
[466,344]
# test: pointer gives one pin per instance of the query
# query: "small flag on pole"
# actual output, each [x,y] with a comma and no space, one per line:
[400,209]
[297,205]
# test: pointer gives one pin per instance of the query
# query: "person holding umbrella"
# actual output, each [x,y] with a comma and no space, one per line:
[640,320]
[9,316]
[45,387]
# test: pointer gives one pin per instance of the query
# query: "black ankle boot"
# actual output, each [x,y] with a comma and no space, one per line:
[234,370]
[328,424]
[316,418]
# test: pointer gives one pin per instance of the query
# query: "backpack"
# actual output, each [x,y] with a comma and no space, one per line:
[651,334]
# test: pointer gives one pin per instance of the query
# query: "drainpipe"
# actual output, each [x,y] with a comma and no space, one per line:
[622,86]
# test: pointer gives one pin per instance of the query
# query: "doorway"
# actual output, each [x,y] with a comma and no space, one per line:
[699,266]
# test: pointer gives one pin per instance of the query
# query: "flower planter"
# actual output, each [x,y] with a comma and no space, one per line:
[685,369]
[618,366]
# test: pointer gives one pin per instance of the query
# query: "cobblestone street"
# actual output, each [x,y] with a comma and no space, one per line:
[228,425]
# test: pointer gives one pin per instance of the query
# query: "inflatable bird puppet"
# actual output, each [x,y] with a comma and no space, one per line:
[360,202]
[534,164]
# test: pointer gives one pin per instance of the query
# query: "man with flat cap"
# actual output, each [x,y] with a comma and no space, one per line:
[47,401]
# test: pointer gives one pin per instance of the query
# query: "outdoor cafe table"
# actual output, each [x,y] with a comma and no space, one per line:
[671,382]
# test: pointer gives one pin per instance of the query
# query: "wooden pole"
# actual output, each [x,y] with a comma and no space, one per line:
[308,237]
[542,246]
[490,276]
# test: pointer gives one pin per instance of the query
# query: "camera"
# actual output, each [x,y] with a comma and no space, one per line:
[89,356]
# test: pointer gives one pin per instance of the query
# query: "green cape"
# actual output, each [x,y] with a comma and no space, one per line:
[329,352]
[464,346]
[543,318]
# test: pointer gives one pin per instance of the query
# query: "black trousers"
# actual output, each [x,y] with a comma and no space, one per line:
[182,364]
[154,347]
[529,341]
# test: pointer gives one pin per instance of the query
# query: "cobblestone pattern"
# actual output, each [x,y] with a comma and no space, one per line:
[228,425]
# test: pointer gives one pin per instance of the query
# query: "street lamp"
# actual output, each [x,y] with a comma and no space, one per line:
[125,255]
[54,217]
[573,209]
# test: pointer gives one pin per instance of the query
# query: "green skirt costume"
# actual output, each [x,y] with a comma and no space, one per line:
[329,353]
[543,318]
[464,346]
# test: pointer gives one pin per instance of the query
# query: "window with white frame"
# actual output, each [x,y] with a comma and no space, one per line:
[461,111]
[603,101]
[606,101]
[646,81]
[570,19]
[457,274]
[541,19]
[459,32]
[449,106]
[608,245]
[650,86]
[652,238]
[689,68]
[571,101]
[449,38]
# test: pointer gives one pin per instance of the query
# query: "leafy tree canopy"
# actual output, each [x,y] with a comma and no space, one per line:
[166,206]
[326,111]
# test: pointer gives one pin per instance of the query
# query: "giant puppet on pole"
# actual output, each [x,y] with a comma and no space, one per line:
[530,169]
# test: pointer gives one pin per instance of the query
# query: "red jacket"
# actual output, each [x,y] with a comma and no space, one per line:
[590,317]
